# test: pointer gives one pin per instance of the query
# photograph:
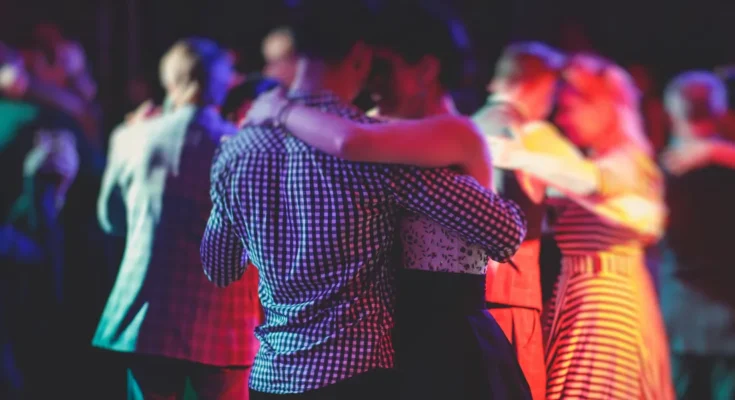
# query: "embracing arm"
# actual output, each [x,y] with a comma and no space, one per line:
[459,203]
[440,141]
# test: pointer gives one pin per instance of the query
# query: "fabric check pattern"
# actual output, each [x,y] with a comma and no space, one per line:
[321,232]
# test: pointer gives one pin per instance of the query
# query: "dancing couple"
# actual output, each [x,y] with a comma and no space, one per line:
[329,232]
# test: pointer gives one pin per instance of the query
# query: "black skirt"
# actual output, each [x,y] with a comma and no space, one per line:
[447,345]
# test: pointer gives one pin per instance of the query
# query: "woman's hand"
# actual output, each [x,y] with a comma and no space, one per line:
[267,106]
[506,152]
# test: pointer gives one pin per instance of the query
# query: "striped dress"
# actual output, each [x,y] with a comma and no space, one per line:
[603,330]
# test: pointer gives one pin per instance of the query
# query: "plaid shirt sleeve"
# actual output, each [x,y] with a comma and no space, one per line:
[460,203]
[223,253]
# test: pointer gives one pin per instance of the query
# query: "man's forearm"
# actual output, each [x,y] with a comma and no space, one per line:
[459,203]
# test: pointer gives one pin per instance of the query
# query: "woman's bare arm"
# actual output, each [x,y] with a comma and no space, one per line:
[440,141]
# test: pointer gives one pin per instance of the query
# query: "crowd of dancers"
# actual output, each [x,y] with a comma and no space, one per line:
[282,243]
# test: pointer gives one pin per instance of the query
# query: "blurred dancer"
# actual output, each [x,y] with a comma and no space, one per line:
[279,52]
[34,342]
[58,61]
[162,309]
[604,333]
[696,275]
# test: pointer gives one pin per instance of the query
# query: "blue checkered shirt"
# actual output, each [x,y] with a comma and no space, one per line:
[321,232]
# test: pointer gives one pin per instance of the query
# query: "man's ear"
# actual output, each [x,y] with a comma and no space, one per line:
[429,68]
[361,56]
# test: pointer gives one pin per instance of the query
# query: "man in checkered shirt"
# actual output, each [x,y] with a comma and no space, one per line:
[321,230]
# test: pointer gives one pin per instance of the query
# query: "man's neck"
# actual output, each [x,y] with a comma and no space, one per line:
[314,76]
[436,102]
[441,104]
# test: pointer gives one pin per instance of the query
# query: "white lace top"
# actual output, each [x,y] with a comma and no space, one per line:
[430,247]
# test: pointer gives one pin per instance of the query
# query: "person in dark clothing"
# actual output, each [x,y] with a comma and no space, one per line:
[696,276]
[32,254]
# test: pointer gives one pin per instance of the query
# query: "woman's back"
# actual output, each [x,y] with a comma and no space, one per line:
[447,345]
[428,246]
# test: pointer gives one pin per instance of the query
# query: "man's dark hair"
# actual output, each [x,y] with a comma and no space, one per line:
[328,29]
[249,90]
[417,28]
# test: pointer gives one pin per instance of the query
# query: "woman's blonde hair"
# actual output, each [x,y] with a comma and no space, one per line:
[597,77]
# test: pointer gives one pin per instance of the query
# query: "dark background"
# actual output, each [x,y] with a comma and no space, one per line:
[124,39]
